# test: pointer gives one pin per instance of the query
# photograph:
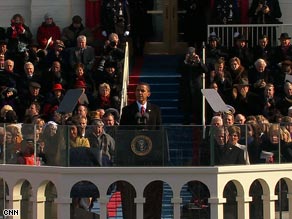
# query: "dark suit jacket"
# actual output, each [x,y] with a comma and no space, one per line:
[129,116]
[229,155]
[87,59]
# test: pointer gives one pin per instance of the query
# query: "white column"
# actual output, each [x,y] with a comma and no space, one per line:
[63,207]
[103,206]
[38,207]
[289,196]
[243,207]
[139,207]
[15,203]
[176,201]
[269,205]
[216,207]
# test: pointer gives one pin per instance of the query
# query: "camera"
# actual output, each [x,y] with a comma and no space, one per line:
[113,43]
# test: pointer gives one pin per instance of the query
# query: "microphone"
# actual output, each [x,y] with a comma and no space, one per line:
[138,117]
[145,118]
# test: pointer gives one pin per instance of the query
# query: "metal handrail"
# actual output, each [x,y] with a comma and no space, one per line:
[125,81]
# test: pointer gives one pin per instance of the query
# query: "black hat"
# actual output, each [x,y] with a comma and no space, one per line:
[239,37]
[77,19]
[34,84]
[284,36]
[213,37]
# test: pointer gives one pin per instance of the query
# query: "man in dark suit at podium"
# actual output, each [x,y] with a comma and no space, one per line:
[142,114]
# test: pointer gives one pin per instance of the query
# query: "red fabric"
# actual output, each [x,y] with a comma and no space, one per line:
[244,4]
[92,19]
[45,32]
[92,8]
[29,160]
[114,202]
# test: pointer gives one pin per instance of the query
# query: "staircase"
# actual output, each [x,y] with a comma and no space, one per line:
[160,72]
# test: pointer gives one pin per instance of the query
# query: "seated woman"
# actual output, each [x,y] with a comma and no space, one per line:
[104,99]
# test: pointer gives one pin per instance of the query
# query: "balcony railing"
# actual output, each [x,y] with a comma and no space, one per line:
[171,154]
[250,31]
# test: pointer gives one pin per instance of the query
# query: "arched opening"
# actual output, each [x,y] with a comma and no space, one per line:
[230,207]
[153,194]
[4,192]
[282,204]
[195,204]
[26,210]
[83,195]
[256,205]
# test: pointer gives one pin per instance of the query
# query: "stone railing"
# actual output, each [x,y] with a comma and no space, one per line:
[34,184]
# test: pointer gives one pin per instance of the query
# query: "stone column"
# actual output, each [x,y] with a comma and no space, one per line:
[216,207]
[139,207]
[103,206]
[38,207]
[243,207]
[176,201]
[269,205]
[63,207]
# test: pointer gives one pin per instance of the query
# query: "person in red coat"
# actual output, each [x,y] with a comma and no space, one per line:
[47,30]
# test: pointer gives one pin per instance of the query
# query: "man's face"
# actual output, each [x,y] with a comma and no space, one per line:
[142,93]
[98,130]
[220,138]
[9,65]
[56,67]
[29,69]
[285,42]
[109,121]
[269,92]
[263,42]
[34,90]
[82,43]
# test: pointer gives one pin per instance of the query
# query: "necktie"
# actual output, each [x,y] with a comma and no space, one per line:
[81,55]
[142,110]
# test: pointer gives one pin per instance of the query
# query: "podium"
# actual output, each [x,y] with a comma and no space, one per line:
[141,148]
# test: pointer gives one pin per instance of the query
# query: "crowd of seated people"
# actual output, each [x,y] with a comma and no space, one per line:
[35,74]
[256,83]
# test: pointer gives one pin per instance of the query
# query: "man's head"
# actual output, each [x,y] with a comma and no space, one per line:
[97,126]
[220,135]
[81,41]
[9,65]
[108,119]
[29,69]
[34,88]
[142,92]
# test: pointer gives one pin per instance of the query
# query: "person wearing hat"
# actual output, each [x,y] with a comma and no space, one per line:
[48,32]
[33,96]
[241,50]
[76,28]
[214,50]
[243,100]
[110,75]
[283,51]
[52,103]
[265,12]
